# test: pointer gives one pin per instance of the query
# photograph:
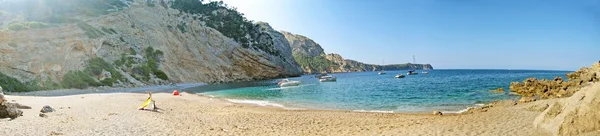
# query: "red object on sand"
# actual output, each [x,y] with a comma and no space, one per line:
[175,92]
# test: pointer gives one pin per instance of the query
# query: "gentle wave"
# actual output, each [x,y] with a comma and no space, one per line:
[256,102]
[378,111]
[464,110]
[287,87]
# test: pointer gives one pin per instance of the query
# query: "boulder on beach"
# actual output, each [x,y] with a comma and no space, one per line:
[47,109]
[9,110]
[573,116]
[436,112]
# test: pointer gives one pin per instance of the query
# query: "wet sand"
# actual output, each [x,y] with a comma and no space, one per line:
[191,114]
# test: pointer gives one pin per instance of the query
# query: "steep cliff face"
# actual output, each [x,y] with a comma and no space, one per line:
[303,46]
[313,59]
[281,44]
[188,51]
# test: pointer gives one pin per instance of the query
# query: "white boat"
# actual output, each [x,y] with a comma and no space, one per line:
[287,82]
[328,79]
[399,76]
[424,72]
[382,72]
[412,70]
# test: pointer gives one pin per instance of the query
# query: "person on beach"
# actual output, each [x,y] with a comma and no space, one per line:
[149,104]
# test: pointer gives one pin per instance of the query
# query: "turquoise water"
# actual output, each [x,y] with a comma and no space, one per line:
[445,90]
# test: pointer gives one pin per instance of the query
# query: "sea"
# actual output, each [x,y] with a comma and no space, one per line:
[449,91]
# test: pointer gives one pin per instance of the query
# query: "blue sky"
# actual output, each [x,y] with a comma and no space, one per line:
[449,34]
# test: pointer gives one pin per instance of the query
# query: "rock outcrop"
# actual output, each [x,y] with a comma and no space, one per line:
[557,88]
[302,45]
[575,115]
[285,60]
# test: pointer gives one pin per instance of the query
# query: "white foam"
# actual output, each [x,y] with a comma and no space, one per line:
[203,94]
[256,102]
[464,110]
[378,111]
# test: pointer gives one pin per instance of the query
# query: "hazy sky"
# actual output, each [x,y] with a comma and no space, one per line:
[449,34]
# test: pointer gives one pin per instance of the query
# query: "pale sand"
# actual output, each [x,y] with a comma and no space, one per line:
[117,114]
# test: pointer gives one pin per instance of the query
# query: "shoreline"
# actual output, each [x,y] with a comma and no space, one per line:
[183,86]
[271,104]
[192,114]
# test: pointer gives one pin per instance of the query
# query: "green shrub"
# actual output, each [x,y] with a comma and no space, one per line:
[160,74]
[132,51]
[97,65]
[90,31]
[108,31]
[229,22]
[150,3]
[78,79]
[317,62]
[11,84]
[181,27]
[17,27]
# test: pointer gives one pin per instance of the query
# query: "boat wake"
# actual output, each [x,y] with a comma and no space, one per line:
[288,87]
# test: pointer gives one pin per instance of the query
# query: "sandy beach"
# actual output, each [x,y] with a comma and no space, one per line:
[191,114]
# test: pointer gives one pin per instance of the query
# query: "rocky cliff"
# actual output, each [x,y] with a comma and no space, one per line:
[138,44]
[313,59]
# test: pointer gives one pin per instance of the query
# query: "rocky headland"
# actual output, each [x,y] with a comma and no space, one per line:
[313,59]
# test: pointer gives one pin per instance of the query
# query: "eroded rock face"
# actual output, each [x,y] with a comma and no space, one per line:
[302,45]
[557,88]
[574,115]
[285,59]
[192,53]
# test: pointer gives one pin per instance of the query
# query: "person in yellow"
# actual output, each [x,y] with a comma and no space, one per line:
[149,104]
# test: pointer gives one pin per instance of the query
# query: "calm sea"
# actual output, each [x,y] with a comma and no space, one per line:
[444,90]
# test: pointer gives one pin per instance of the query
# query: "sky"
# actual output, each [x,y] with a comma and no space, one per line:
[449,34]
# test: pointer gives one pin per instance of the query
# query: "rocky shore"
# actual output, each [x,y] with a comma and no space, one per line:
[576,112]
[534,89]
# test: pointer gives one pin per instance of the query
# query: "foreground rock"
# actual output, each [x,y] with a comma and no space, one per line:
[10,110]
[436,112]
[499,90]
[46,109]
[575,115]
[556,88]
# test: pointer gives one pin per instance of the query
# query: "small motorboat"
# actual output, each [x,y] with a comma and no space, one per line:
[382,72]
[328,78]
[412,72]
[424,72]
[287,82]
[399,76]
[321,75]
